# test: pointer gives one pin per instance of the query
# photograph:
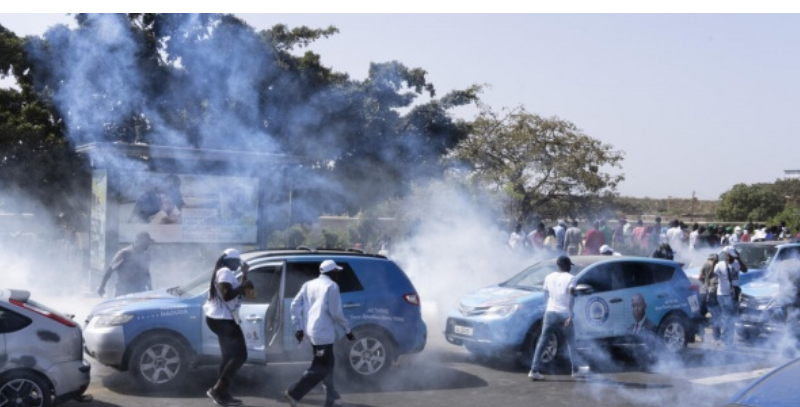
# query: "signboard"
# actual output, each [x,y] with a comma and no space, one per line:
[180,208]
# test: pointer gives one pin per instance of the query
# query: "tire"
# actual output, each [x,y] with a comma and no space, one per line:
[369,356]
[673,334]
[159,362]
[24,388]
[551,351]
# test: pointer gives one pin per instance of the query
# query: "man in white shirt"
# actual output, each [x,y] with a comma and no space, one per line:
[316,312]
[558,287]
[727,272]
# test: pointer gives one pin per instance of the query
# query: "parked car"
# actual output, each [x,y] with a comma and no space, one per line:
[763,303]
[757,256]
[506,319]
[42,360]
[160,335]
[774,389]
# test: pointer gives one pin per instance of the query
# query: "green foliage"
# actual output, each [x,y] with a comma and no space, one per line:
[790,215]
[546,166]
[755,202]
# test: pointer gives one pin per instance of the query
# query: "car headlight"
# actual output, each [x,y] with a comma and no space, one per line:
[503,310]
[112,319]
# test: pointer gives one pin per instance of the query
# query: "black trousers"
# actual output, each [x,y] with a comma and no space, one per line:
[231,345]
[321,370]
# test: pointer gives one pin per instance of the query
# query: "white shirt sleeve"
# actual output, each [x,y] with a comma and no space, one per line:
[334,301]
[298,309]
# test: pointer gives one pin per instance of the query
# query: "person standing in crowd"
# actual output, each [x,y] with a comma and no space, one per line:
[736,236]
[618,238]
[551,241]
[536,238]
[693,237]
[558,290]
[747,234]
[675,235]
[708,296]
[785,233]
[594,239]
[515,239]
[664,251]
[222,317]
[655,237]
[561,231]
[724,271]
[573,239]
[638,237]
[132,265]
[317,310]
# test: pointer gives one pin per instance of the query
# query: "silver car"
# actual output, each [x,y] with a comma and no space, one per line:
[42,361]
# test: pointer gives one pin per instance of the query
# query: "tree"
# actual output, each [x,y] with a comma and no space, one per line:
[751,203]
[546,166]
[211,81]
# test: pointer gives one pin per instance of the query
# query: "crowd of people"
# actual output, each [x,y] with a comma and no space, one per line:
[675,240]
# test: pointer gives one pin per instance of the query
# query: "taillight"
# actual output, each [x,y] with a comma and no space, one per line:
[412,298]
[45,313]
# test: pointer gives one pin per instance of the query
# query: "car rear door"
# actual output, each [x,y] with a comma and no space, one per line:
[255,312]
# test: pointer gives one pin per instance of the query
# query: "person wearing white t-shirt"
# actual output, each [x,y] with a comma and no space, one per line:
[727,272]
[222,317]
[558,287]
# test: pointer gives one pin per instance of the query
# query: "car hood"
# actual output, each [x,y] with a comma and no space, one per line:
[497,295]
[137,301]
[760,288]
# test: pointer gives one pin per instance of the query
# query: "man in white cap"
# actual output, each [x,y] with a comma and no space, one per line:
[316,311]
[606,250]
[727,273]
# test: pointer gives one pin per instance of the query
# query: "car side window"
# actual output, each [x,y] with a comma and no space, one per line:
[266,281]
[632,274]
[599,278]
[300,272]
[789,253]
[661,273]
[11,321]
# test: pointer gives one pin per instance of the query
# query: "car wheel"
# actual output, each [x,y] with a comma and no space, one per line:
[673,333]
[24,388]
[369,356]
[550,354]
[159,361]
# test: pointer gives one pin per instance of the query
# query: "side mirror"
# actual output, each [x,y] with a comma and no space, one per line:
[583,289]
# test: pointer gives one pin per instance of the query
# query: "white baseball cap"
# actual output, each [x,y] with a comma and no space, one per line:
[328,265]
[731,251]
[605,249]
[232,254]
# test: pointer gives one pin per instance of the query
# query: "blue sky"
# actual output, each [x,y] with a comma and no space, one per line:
[698,102]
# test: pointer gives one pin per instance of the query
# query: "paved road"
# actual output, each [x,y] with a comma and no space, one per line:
[445,375]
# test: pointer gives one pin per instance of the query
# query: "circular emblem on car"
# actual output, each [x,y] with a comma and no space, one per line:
[596,311]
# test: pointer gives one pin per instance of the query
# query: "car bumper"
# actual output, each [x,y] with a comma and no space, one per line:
[70,379]
[497,333]
[105,344]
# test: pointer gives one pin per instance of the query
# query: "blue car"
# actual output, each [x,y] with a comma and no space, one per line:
[506,319]
[160,335]
[775,389]
[759,257]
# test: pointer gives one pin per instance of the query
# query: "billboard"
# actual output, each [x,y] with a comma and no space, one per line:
[181,208]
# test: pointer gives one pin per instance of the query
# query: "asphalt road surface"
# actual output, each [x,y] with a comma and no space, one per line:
[446,375]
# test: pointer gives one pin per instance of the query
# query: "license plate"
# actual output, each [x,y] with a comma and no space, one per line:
[463,330]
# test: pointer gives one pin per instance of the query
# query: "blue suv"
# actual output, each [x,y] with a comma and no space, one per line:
[160,335]
[612,293]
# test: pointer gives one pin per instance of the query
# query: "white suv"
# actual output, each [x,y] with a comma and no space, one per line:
[42,363]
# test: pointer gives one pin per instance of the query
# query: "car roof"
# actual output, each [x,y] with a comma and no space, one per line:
[585,261]
[768,243]
[303,251]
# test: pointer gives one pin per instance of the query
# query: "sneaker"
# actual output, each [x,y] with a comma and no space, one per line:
[292,402]
[231,402]
[581,373]
[216,398]
[535,376]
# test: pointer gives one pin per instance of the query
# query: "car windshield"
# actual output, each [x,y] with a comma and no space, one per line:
[197,286]
[757,257]
[532,278]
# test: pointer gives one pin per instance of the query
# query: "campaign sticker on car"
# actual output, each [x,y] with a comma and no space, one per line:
[694,304]
[463,330]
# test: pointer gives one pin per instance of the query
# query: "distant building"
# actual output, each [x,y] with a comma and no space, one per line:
[792,173]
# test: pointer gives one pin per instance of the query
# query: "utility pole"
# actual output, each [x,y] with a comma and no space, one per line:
[691,211]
